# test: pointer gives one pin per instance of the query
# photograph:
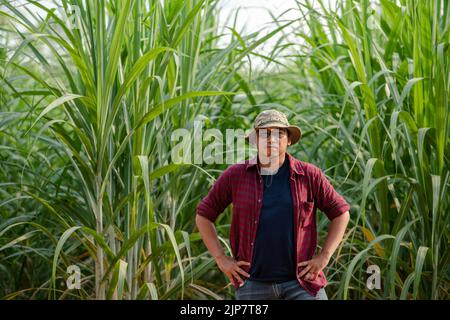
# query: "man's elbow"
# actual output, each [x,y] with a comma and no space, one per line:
[198,219]
[341,218]
[201,220]
[345,217]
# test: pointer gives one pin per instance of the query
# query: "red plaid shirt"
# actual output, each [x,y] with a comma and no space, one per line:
[241,184]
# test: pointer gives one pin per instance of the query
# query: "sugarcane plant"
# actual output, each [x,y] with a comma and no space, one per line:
[117,69]
[373,80]
[106,82]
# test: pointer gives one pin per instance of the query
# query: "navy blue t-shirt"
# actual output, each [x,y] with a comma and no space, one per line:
[274,252]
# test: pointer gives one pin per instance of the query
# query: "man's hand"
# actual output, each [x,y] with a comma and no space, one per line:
[319,262]
[313,266]
[232,268]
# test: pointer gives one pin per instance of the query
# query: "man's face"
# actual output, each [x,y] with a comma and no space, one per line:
[272,142]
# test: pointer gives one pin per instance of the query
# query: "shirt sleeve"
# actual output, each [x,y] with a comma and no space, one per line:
[327,199]
[218,198]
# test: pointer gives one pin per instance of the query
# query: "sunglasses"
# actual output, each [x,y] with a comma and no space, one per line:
[267,133]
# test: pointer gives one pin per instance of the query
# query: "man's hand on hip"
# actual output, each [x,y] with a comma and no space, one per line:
[313,267]
[232,268]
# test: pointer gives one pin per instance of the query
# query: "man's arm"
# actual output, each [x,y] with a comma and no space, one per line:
[209,236]
[218,198]
[337,210]
[335,234]
[228,265]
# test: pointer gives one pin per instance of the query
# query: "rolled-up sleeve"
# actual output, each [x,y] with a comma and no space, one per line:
[218,198]
[327,199]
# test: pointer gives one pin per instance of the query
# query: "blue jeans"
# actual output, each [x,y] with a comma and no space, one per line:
[289,290]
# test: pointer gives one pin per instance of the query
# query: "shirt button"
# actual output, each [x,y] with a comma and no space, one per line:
[252,243]
[259,200]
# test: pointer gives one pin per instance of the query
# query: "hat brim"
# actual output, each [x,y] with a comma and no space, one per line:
[295,133]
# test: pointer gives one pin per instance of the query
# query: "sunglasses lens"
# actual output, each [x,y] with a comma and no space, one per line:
[277,133]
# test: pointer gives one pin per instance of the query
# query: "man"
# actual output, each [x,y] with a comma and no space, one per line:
[273,233]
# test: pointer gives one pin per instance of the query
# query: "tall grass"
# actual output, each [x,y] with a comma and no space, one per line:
[101,98]
[116,83]
[374,82]
[88,108]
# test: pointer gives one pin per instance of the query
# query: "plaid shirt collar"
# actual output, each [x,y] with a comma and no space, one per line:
[294,164]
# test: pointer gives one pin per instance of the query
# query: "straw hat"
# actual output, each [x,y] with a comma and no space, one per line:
[273,118]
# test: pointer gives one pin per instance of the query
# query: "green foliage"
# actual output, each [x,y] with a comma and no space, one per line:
[88,108]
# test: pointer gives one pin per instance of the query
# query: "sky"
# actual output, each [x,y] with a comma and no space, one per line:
[254,15]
